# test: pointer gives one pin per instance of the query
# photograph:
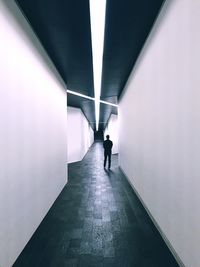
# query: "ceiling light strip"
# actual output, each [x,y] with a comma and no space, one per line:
[90,98]
[97,19]
[81,95]
[108,103]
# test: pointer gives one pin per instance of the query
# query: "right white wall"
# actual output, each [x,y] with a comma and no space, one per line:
[112,130]
[159,127]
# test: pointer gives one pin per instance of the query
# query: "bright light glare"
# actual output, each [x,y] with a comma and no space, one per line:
[97,19]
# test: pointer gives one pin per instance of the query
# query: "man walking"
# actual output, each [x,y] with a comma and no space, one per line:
[107,145]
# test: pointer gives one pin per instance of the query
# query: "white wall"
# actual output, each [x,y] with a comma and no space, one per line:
[112,130]
[33,148]
[80,134]
[160,127]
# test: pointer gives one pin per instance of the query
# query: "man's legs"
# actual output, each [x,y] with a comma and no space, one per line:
[105,158]
[109,160]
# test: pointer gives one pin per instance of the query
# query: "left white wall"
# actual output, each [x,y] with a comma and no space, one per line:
[80,134]
[33,146]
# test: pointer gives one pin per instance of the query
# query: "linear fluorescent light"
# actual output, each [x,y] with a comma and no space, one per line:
[108,103]
[78,94]
[90,98]
[97,20]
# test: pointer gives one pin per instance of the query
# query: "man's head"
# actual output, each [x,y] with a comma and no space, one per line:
[107,136]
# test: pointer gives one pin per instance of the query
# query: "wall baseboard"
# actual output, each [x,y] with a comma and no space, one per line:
[165,239]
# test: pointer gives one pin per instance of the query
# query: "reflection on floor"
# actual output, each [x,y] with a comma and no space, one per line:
[96,221]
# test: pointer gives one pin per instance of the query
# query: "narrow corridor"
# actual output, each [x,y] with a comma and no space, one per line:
[96,221]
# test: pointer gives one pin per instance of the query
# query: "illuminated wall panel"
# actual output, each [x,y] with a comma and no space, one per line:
[159,122]
[33,135]
[80,134]
[112,130]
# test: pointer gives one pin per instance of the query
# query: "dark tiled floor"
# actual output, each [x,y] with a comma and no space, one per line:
[96,221]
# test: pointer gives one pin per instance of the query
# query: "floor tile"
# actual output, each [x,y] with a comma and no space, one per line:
[97,221]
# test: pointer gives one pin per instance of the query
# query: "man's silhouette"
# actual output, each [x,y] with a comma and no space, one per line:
[107,145]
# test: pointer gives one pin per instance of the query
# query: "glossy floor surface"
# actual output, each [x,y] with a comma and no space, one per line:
[96,221]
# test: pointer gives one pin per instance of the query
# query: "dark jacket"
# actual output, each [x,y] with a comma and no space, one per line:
[107,145]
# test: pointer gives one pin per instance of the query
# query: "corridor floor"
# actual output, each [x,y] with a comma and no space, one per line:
[96,221]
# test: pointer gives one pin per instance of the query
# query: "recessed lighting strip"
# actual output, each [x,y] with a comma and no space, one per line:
[90,98]
[78,94]
[108,103]
[97,21]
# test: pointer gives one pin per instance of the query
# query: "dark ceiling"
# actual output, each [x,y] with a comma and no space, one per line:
[63,27]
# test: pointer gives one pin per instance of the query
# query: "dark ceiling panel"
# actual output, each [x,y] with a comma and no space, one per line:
[128,24]
[63,28]
[86,105]
[74,101]
[111,99]
[106,111]
[88,109]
